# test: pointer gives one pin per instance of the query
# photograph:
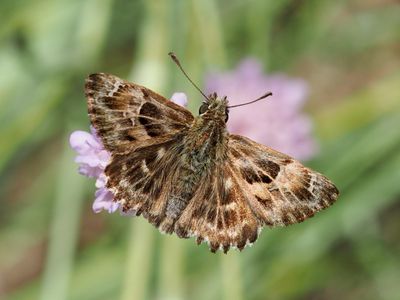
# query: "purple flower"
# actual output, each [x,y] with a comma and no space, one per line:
[180,98]
[276,121]
[93,159]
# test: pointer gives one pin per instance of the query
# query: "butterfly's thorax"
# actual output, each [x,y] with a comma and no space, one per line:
[205,145]
[206,141]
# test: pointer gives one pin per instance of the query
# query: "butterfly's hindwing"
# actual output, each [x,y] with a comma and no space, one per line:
[219,214]
[280,190]
[143,181]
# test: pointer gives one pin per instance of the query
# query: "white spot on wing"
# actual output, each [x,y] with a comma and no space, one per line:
[230,206]
[144,167]
[160,153]
[228,183]
[117,84]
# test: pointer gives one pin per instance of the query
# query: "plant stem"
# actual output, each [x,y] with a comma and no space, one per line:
[64,229]
[150,70]
[231,276]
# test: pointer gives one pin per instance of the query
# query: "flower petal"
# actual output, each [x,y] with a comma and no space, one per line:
[104,201]
[180,98]
[81,141]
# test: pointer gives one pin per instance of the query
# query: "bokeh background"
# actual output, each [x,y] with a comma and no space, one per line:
[52,245]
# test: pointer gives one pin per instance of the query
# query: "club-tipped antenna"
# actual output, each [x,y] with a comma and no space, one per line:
[258,99]
[176,60]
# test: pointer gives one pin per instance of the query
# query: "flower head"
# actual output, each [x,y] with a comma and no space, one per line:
[93,158]
[276,121]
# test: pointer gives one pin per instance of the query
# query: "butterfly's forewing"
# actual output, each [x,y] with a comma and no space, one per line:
[279,189]
[127,115]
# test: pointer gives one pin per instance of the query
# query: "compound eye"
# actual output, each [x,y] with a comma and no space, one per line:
[203,108]
[226,115]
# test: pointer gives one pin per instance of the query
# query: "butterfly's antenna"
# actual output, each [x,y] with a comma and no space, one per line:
[176,60]
[262,97]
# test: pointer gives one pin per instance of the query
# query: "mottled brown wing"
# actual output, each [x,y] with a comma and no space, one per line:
[126,115]
[279,189]
[219,214]
[144,132]
[254,187]
[142,181]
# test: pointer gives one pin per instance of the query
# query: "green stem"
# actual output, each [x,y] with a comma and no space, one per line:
[63,229]
[139,261]
[210,31]
[172,265]
[231,276]
[150,71]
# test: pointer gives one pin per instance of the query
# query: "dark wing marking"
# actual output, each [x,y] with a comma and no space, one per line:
[143,131]
[279,189]
[142,181]
[126,115]
[219,213]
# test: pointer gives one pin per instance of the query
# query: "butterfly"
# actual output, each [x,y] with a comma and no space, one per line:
[187,175]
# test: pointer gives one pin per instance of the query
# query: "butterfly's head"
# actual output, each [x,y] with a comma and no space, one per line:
[214,108]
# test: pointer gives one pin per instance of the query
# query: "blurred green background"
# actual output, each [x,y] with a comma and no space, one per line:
[52,246]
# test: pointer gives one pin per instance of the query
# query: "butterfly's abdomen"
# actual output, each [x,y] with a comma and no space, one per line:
[203,147]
